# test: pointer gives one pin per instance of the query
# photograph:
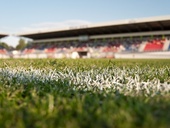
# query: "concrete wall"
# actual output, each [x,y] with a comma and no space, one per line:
[145,55]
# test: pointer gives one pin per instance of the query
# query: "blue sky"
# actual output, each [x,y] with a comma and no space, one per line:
[17,16]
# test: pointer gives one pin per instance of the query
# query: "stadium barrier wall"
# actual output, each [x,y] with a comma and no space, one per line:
[144,55]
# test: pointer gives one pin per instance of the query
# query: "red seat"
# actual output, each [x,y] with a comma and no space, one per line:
[3,51]
[50,50]
[27,51]
[154,45]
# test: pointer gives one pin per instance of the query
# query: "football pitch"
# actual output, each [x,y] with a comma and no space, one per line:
[93,93]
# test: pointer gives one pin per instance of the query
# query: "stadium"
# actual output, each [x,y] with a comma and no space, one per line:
[3,52]
[133,38]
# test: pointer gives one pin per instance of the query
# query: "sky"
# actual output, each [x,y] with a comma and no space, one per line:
[21,16]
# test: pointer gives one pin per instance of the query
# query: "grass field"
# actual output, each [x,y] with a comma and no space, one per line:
[86,93]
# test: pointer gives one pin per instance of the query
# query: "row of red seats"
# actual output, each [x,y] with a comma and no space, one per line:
[3,51]
[28,51]
[154,45]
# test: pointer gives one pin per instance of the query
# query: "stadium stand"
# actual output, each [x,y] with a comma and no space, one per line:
[145,37]
[100,47]
[154,45]
[3,52]
[2,35]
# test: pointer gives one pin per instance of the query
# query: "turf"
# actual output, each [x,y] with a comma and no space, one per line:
[31,97]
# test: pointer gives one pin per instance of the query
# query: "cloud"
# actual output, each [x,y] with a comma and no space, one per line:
[55,25]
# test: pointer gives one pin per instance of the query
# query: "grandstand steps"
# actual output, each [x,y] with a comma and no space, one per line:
[166,45]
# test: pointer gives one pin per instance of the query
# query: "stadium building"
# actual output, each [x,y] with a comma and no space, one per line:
[3,52]
[134,38]
[2,35]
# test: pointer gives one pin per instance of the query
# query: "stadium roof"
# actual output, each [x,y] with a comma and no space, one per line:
[149,25]
[2,35]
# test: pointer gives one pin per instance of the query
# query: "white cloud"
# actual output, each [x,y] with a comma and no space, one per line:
[54,25]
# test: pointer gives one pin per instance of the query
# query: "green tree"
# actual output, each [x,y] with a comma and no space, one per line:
[21,44]
[4,45]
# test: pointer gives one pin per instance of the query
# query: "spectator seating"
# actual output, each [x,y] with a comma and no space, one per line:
[104,46]
[28,51]
[3,51]
[154,45]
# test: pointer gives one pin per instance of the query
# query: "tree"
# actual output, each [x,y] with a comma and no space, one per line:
[21,44]
[4,45]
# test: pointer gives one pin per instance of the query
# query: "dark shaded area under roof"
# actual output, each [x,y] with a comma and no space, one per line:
[151,26]
[2,35]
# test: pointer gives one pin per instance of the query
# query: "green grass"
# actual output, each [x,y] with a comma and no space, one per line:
[51,103]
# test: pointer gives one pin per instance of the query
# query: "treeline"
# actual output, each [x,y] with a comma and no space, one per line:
[21,45]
